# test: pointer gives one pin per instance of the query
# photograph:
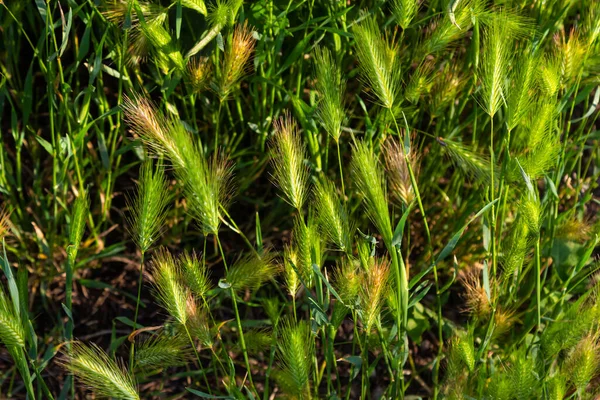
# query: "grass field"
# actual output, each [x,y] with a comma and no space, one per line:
[303,199]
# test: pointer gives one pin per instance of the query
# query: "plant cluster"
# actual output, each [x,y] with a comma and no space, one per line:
[378,199]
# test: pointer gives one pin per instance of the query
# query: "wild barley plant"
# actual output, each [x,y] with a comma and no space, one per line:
[331,110]
[378,62]
[232,69]
[332,216]
[169,288]
[405,11]
[426,67]
[371,185]
[198,74]
[494,70]
[380,68]
[97,371]
[396,164]
[206,185]
[13,336]
[290,173]
[148,210]
[206,182]
[161,351]
[295,354]
[235,61]
[77,227]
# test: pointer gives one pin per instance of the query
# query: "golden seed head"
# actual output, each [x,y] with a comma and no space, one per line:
[199,71]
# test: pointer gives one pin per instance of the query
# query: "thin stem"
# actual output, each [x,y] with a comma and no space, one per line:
[217,126]
[193,344]
[69,292]
[365,367]
[72,254]
[137,308]
[538,286]
[237,318]
[337,142]
[492,195]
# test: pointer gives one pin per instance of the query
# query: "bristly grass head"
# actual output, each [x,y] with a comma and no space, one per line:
[557,386]
[198,325]
[162,351]
[196,5]
[235,64]
[447,84]
[223,12]
[520,95]
[454,24]
[296,352]
[331,86]
[549,74]
[78,220]
[471,163]
[370,183]
[332,216]
[420,81]
[149,206]
[571,51]
[152,126]
[11,328]
[291,261]
[208,186]
[195,274]
[405,11]
[476,299]
[348,282]
[290,174]
[372,293]
[531,212]
[583,363]
[495,61]
[307,247]
[4,223]
[515,249]
[251,271]
[397,171]
[170,292]
[116,12]
[99,372]
[592,24]
[198,74]
[522,375]
[462,353]
[258,340]
[378,61]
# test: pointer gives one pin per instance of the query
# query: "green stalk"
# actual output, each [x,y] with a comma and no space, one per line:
[492,195]
[217,127]
[365,367]
[337,143]
[137,307]
[386,353]
[538,286]
[18,355]
[71,255]
[193,344]
[237,318]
